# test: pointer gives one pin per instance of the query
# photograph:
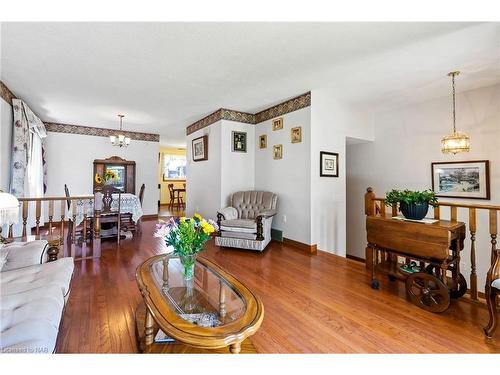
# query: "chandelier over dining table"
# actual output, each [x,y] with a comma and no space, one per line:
[120,139]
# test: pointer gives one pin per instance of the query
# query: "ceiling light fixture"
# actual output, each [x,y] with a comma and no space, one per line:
[457,141]
[119,139]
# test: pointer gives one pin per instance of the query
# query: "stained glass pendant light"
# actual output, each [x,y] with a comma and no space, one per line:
[457,141]
[119,139]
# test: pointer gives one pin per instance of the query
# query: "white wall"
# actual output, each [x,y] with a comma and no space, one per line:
[237,168]
[70,161]
[288,177]
[407,140]
[203,182]
[6,122]
[331,123]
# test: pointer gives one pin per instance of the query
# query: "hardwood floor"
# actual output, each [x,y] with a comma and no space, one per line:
[313,304]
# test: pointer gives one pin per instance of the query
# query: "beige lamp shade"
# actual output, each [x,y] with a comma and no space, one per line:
[9,209]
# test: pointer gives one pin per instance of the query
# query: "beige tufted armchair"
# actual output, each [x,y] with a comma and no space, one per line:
[246,224]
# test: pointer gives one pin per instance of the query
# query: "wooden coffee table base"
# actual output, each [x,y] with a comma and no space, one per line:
[176,347]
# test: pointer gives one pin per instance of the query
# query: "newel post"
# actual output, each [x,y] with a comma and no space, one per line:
[369,202]
[369,211]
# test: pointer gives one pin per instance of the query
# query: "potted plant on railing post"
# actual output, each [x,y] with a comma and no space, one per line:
[187,237]
[414,205]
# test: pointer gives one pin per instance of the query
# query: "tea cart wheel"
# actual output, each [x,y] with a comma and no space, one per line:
[457,287]
[428,292]
[375,284]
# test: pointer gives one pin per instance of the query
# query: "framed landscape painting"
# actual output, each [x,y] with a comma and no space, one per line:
[461,179]
[200,148]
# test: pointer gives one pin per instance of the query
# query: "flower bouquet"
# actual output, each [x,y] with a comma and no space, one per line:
[109,177]
[187,236]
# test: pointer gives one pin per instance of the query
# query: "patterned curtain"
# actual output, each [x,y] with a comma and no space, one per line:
[20,146]
[28,165]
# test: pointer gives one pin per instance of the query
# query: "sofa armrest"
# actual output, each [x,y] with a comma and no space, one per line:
[25,254]
[267,213]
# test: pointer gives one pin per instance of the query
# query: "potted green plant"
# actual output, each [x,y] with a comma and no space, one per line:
[412,204]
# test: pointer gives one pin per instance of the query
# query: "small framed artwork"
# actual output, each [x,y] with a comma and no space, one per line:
[296,134]
[277,152]
[239,143]
[461,179]
[200,148]
[328,164]
[263,141]
[278,123]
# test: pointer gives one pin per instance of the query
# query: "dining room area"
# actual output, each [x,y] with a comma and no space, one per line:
[112,212]
[172,182]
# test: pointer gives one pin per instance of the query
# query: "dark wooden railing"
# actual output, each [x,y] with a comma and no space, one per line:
[55,217]
[377,206]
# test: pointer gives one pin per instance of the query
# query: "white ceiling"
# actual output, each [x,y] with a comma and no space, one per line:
[164,76]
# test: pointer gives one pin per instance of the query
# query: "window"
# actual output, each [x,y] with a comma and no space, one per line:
[174,167]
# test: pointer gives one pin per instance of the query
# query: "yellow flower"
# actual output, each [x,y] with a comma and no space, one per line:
[198,216]
[182,219]
[98,178]
[207,228]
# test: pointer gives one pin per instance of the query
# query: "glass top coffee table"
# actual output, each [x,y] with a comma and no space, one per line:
[213,310]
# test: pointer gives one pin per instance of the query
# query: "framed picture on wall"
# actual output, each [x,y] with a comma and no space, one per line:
[278,123]
[200,148]
[239,143]
[277,152]
[328,164]
[296,134]
[461,179]
[263,141]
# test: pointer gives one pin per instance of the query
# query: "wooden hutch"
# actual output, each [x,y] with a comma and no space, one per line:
[125,170]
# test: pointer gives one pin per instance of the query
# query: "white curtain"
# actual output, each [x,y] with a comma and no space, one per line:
[27,177]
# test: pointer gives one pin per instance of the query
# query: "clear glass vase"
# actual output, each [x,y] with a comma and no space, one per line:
[187,262]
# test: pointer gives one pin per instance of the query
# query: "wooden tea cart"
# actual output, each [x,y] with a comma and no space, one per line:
[435,249]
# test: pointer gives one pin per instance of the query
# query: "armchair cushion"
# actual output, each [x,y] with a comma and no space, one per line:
[239,225]
[496,284]
[229,213]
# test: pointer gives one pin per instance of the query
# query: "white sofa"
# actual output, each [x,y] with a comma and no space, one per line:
[33,293]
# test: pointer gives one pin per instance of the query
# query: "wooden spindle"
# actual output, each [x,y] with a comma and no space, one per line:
[85,227]
[382,208]
[394,209]
[10,231]
[73,215]
[63,213]
[437,213]
[493,233]
[473,275]
[453,213]
[38,213]
[25,217]
[51,215]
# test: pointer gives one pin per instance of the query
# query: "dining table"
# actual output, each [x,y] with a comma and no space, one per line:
[129,203]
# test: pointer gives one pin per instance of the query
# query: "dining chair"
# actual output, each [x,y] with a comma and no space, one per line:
[141,193]
[108,214]
[80,228]
[172,196]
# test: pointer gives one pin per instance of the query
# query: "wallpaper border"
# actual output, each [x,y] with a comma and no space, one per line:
[291,105]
